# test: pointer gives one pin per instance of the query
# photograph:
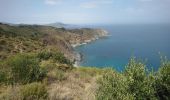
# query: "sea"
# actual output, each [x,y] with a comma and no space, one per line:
[146,42]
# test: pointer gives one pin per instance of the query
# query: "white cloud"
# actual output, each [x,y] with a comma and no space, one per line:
[95,3]
[52,2]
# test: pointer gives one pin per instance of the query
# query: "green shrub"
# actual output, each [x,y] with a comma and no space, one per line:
[22,68]
[162,84]
[3,76]
[113,86]
[48,65]
[44,55]
[60,75]
[134,83]
[56,56]
[140,81]
[4,73]
[34,91]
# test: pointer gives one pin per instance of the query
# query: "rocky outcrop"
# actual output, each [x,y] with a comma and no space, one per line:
[85,35]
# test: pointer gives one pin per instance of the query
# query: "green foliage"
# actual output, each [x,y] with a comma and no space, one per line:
[21,68]
[60,75]
[34,91]
[135,83]
[12,45]
[56,56]
[91,71]
[44,55]
[162,84]
[3,76]
[113,86]
[139,83]
[30,31]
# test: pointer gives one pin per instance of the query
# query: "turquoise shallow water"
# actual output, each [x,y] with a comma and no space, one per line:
[145,42]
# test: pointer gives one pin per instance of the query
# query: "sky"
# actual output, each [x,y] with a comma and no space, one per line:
[85,11]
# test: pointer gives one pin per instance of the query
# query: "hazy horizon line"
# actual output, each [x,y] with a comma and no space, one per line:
[20,23]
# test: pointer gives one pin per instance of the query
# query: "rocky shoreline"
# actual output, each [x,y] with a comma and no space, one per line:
[78,55]
[78,59]
[36,38]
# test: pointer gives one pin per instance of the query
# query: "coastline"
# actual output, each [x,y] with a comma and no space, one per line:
[78,55]
[78,58]
[88,41]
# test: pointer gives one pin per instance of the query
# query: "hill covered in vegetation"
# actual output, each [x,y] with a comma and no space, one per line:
[34,38]
[37,64]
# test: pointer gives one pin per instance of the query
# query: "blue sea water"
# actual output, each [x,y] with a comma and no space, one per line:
[146,42]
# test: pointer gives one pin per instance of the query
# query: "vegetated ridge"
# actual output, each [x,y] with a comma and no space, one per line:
[36,63]
[35,38]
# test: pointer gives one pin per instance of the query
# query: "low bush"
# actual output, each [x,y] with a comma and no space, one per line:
[140,81]
[56,56]
[113,86]
[135,83]
[162,79]
[60,75]
[3,77]
[22,68]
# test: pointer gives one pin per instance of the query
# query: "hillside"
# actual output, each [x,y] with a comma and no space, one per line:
[34,38]
[36,63]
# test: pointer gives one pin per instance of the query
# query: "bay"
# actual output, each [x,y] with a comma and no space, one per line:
[146,42]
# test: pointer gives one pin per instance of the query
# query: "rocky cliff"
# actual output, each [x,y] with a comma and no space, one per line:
[85,35]
[35,38]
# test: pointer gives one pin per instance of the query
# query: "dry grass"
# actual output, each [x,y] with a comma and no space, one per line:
[76,84]
[80,84]
[10,93]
